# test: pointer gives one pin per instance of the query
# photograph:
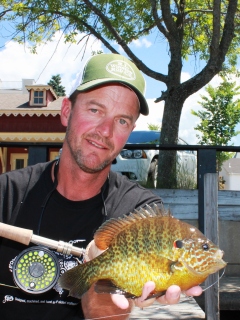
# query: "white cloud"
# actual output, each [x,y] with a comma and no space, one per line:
[188,121]
[138,43]
[146,43]
[18,63]
[154,117]
[185,76]
[142,43]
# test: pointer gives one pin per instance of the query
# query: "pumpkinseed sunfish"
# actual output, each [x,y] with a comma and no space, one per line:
[147,245]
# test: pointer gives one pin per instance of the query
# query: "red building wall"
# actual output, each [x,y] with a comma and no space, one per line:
[31,124]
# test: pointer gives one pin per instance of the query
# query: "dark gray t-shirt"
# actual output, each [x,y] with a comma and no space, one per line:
[28,200]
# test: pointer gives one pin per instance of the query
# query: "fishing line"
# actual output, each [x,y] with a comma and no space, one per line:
[6,285]
[215,281]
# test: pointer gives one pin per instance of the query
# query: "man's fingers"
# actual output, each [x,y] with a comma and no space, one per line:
[147,289]
[171,296]
[194,291]
[173,293]
[120,301]
[141,302]
[123,303]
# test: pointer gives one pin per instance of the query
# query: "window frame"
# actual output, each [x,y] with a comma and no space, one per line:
[36,95]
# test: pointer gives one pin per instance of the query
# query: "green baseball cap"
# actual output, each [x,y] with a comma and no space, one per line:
[114,68]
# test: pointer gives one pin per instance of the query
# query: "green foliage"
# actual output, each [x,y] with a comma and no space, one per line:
[199,30]
[208,30]
[186,179]
[55,83]
[219,117]
[152,126]
[38,21]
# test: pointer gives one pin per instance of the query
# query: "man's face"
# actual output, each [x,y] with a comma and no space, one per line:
[99,124]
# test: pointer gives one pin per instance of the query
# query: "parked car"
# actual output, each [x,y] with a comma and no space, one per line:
[142,165]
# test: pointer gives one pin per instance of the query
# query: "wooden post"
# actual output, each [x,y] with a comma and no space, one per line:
[37,154]
[212,311]
[3,159]
[206,163]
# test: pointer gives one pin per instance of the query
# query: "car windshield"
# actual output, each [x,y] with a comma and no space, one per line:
[144,137]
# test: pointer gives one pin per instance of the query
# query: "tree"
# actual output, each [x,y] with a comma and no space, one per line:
[55,83]
[219,117]
[207,29]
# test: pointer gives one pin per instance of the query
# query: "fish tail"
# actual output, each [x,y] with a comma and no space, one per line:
[77,280]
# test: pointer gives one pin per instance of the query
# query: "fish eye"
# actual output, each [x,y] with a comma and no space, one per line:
[178,244]
[205,246]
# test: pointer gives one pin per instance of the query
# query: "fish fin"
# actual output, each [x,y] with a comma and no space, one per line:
[155,295]
[160,261]
[153,210]
[109,230]
[176,265]
[74,280]
[107,286]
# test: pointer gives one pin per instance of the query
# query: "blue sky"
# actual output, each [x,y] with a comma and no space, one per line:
[55,57]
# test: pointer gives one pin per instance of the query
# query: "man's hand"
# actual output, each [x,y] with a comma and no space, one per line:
[171,296]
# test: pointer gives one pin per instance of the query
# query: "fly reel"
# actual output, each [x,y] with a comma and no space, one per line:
[36,270]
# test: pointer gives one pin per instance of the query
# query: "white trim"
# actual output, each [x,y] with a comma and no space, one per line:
[32,136]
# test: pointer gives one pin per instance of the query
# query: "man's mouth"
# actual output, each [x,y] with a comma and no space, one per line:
[96,144]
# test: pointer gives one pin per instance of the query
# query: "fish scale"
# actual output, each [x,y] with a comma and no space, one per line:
[147,245]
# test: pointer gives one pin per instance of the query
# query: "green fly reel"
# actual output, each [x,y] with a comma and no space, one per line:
[36,270]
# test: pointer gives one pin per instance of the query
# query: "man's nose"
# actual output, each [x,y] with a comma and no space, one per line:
[105,127]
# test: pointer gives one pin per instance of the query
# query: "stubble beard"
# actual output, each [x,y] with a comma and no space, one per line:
[84,162]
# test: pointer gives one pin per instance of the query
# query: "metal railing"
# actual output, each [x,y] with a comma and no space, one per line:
[206,160]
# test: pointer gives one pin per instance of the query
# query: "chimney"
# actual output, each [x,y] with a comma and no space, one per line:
[26,82]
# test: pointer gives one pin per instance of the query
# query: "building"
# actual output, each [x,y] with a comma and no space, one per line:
[231,173]
[30,126]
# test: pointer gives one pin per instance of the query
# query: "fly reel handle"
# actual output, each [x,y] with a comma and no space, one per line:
[25,236]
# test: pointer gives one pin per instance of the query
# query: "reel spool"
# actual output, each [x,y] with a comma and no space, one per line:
[36,270]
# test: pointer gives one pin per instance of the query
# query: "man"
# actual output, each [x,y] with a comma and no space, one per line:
[70,199]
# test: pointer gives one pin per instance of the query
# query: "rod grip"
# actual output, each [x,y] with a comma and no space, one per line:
[16,234]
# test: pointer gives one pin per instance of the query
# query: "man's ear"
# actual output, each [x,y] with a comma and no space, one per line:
[65,111]
[134,126]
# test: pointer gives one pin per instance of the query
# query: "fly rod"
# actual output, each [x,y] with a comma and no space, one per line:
[25,236]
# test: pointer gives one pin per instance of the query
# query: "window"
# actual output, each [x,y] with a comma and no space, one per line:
[18,160]
[19,164]
[38,97]
[144,137]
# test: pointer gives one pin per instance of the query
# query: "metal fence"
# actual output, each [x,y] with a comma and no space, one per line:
[206,160]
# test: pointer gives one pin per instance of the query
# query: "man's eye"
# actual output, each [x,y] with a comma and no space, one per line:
[94,110]
[122,121]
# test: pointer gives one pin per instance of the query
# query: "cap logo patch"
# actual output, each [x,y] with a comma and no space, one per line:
[121,69]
